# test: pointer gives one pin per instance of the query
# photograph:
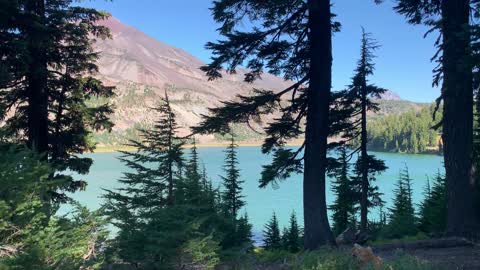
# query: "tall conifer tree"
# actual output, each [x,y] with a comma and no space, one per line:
[454,72]
[343,207]
[292,235]
[402,221]
[433,210]
[232,196]
[293,39]
[142,208]
[360,94]
[271,234]
[193,178]
[48,81]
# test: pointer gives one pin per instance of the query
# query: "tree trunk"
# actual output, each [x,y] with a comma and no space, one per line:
[457,135]
[317,228]
[36,89]
[37,111]
[364,162]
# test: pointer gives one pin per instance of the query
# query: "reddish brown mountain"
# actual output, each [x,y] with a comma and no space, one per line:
[142,68]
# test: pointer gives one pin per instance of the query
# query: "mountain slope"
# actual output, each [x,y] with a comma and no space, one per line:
[143,68]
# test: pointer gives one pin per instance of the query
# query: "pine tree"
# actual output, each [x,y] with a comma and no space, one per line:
[294,40]
[359,94]
[271,234]
[48,83]
[455,58]
[292,236]
[232,196]
[402,214]
[145,208]
[284,238]
[244,232]
[193,178]
[433,210]
[343,207]
[24,178]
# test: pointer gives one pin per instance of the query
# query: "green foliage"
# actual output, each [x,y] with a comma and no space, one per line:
[24,179]
[433,210]
[71,242]
[232,197]
[338,260]
[327,260]
[47,46]
[201,253]
[375,166]
[402,220]
[343,208]
[167,210]
[291,239]
[359,99]
[244,232]
[409,132]
[146,209]
[408,262]
[271,234]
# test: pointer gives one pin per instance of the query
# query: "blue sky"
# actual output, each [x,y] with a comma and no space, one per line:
[403,62]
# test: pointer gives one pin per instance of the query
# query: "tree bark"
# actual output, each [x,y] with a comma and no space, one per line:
[364,161]
[457,135]
[36,77]
[317,228]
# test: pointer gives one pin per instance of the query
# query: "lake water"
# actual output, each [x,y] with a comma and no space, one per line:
[283,199]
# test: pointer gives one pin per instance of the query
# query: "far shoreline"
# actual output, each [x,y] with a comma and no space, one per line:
[120,148]
[113,149]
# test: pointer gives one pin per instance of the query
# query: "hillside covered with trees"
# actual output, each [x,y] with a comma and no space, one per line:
[409,132]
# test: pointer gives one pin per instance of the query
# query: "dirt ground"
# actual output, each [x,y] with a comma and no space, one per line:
[452,258]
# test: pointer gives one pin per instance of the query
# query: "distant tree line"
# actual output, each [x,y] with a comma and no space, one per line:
[410,132]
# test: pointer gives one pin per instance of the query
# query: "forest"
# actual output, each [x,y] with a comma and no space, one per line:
[409,132]
[165,211]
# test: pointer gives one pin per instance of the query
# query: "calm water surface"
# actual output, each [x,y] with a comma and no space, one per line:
[283,198]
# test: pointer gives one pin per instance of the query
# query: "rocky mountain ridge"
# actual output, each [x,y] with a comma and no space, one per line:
[143,69]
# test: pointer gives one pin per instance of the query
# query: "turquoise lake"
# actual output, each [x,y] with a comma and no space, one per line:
[283,199]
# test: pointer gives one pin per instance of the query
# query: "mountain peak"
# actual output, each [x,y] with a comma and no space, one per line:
[142,68]
[390,95]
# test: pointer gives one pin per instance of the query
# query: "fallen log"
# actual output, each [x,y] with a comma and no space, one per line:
[450,242]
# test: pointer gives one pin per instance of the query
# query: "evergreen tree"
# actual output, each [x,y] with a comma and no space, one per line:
[455,66]
[24,178]
[292,39]
[193,178]
[48,82]
[343,207]
[63,242]
[292,235]
[402,214]
[433,210]
[360,94]
[232,196]
[244,232]
[71,242]
[144,209]
[271,234]
[284,238]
